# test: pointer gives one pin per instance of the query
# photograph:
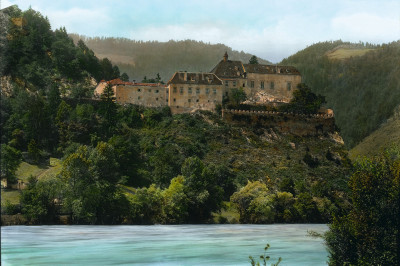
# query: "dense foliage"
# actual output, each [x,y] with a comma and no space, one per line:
[304,101]
[40,57]
[130,164]
[362,90]
[369,234]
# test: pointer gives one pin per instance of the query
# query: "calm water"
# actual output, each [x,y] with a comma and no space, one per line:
[160,244]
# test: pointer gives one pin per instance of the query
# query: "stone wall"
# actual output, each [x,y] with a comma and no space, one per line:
[279,87]
[290,123]
[151,95]
[189,97]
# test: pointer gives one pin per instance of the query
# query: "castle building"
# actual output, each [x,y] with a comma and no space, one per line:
[145,94]
[189,91]
[262,83]
[194,91]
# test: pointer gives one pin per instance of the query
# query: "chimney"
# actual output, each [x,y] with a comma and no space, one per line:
[185,76]
[226,56]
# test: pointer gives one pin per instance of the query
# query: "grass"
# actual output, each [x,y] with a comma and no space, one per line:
[227,214]
[25,170]
[381,139]
[12,196]
[343,53]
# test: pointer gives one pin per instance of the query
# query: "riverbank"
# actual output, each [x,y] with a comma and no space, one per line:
[19,219]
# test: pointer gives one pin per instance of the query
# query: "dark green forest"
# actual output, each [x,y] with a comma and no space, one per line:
[129,164]
[135,165]
[139,59]
[362,90]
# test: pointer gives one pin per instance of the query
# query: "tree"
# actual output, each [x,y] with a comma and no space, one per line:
[33,151]
[304,101]
[238,95]
[92,195]
[108,109]
[205,195]
[124,77]
[158,78]
[253,60]
[39,200]
[369,234]
[10,160]
[147,206]
[248,197]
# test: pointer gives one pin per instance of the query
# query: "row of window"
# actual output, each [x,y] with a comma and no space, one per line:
[189,100]
[197,100]
[198,90]
[227,83]
[271,85]
[149,90]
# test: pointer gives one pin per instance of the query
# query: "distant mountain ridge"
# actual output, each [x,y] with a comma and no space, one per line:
[361,82]
[139,58]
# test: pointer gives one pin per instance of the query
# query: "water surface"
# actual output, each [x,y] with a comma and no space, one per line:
[160,244]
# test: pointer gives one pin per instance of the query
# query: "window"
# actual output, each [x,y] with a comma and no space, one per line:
[138,97]
[174,100]
[262,84]
[197,90]
[190,90]
[174,90]
[156,91]
[215,91]
[189,100]
[181,90]
[138,90]
[289,86]
[167,91]
[197,100]
[149,90]
[156,99]
[272,85]
[226,83]
[166,100]
[207,90]
[252,84]
[234,83]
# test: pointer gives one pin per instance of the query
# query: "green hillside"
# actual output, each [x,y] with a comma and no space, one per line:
[379,140]
[362,88]
[139,59]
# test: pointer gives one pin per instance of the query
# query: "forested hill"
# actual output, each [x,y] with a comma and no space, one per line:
[139,59]
[361,82]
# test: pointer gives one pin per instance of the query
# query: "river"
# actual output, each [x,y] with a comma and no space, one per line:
[161,244]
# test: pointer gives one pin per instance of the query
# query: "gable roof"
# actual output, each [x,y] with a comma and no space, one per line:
[120,82]
[227,69]
[271,69]
[195,78]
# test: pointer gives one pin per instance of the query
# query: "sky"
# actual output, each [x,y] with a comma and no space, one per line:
[269,29]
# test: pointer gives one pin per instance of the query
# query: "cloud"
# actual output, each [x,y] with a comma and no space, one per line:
[5,3]
[272,41]
[367,27]
[79,20]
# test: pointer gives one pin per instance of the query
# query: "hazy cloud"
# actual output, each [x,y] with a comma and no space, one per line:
[367,27]
[271,29]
